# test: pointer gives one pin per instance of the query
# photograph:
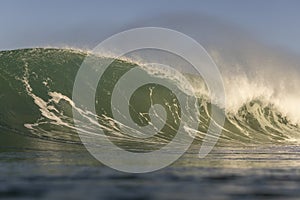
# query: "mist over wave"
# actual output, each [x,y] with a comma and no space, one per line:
[251,68]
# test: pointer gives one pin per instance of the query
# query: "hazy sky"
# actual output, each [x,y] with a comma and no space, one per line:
[85,23]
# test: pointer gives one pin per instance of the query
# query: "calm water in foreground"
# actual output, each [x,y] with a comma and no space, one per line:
[36,169]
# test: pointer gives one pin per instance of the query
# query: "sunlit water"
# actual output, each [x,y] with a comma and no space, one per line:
[41,155]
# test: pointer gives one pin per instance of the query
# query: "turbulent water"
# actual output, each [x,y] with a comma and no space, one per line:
[36,100]
[42,157]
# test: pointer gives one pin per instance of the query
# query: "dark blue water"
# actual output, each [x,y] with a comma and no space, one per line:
[38,169]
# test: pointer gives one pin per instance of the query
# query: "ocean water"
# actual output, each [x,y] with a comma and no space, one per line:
[39,169]
[42,157]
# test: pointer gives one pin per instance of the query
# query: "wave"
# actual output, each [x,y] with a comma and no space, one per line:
[36,90]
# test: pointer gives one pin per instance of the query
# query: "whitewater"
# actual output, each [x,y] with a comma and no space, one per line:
[261,105]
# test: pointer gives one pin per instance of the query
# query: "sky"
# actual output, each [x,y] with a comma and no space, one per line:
[74,23]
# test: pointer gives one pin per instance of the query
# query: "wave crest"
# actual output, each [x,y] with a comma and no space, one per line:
[37,85]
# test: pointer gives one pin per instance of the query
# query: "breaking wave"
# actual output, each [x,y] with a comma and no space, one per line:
[36,100]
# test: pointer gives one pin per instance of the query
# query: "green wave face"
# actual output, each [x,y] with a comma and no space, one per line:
[35,100]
